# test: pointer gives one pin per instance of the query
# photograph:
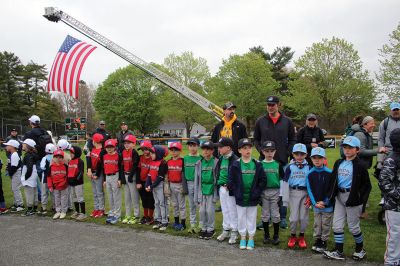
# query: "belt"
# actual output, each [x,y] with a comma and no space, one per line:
[127,173]
[112,174]
[298,188]
[344,190]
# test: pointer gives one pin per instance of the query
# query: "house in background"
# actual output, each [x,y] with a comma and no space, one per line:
[179,130]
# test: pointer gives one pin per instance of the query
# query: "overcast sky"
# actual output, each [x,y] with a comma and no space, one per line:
[212,29]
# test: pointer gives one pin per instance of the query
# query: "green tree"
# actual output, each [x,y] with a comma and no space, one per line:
[245,80]
[389,73]
[329,81]
[127,95]
[193,73]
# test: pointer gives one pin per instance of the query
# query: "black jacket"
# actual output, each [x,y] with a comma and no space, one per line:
[78,179]
[389,182]
[120,138]
[306,135]
[238,132]
[235,183]
[360,186]
[282,134]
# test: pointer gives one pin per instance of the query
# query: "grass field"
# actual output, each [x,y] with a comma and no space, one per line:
[374,233]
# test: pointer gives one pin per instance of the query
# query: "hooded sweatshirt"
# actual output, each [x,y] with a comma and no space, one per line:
[158,168]
[76,168]
[367,151]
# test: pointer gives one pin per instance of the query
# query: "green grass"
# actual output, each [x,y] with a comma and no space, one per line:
[374,233]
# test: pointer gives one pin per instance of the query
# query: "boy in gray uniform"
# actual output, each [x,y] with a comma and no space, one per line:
[389,183]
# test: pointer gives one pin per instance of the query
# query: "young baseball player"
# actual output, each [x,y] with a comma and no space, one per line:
[270,195]
[155,184]
[57,181]
[228,202]
[175,173]
[45,166]
[130,160]
[29,176]
[294,192]
[3,208]
[94,172]
[190,161]
[318,181]
[14,167]
[113,175]
[205,189]
[389,183]
[141,177]
[75,181]
[247,181]
[351,186]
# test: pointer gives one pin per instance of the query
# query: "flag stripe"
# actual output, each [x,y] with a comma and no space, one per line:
[73,69]
[67,69]
[80,70]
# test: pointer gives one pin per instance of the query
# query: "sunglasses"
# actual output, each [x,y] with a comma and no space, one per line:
[271,104]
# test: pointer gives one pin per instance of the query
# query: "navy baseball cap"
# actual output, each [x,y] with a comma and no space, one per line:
[207,145]
[268,145]
[193,141]
[244,142]
[223,142]
[273,99]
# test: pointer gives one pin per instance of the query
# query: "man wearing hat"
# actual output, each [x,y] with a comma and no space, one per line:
[101,129]
[229,127]
[122,134]
[14,136]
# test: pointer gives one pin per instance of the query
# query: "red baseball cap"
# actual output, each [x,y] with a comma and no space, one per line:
[146,144]
[130,138]
[175,145]
[97,138]
[58,152]
[110,143]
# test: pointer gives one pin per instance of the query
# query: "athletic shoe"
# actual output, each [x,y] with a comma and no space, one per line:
[143,220]
[114,220]
[126,219]
[224,235]
[359,255]
[250,244]
[94,213]
[163,227]
[3,210]
[323,247]
[13,209]
[99,214]
[81,217]
[74,215]
[209,235]
[335,255]
[191,230]
[232,238]
[283,223]
[267,239]
[109,219]
[20,208]
[242,244]
[180,227]
[63,215]
[275,240]
[317,245]
[57,215]
[174,225]
[133,220]
[28,212]
[302,242]
[202,234]
[44,211]
[150,221]
[156,225]
[292,242]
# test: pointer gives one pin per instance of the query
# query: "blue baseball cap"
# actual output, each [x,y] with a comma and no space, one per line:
[299,147]
[394,105]
[318,151]
[351,141]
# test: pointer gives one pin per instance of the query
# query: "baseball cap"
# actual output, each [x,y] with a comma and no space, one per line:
[146,144]
[58,152]
[351,141]
[394,105]
[130,138]
[244,142]
[30,142]
[63,144]
[228,105]
[102,122]
[299,147]
[50,148]
[193,141]
[109,143]
[13,130]
[97,137]
[123,123]
[34,119]
[224,141]
[13,143]
[318,151]
[175,145]
[311,116]
[268,145]
[207,145]
[272,99]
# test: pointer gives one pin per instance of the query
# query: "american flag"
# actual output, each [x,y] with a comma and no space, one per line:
[67,66]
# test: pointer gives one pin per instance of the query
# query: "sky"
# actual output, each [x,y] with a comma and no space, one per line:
[211,29]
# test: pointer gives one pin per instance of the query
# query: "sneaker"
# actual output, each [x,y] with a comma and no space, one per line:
[163,227]
[242,244]
[202,234]
[191,230]
[250,244]
[126,219]
[275,240]
[267,239]
[156,225]
[44,211]
[150,221]
[100,214]
[109,219]
[20,208]
[323,247]
[81,217]
[359,255]
[74,215]
[13,209]
[63,215]
[224,235]
[57,215]
[232,238]
[302,242]
[292,242]
[133,220]
[317,245]
[335,255]
[209,235]
[283,223]
[94,213]
[114,220]
[3,210]
[143,220]
[180,227]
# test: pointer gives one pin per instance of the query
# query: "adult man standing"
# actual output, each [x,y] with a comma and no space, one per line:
[229,127]
[102,130]
[275,126]
[122,134]
[36,134]
[14,136]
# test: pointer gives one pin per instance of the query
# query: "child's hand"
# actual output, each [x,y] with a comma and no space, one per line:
[119,183]
[89,173]
[148,189]
[320,205]
[307,202]
[104,184]
[51,190]
[138,186]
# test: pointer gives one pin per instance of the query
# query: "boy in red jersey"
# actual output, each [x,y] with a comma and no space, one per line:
[57,183]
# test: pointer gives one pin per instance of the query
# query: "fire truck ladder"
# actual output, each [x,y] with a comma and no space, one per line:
[55,15]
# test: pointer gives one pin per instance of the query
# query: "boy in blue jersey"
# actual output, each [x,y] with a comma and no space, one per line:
[318,182]
[294,193]
[350,188]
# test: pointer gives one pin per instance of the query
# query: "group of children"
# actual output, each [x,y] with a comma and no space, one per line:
[241,184]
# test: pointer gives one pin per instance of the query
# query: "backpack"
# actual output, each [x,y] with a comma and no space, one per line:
[43,140]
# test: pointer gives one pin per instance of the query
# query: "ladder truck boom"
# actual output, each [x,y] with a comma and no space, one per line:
[56,15]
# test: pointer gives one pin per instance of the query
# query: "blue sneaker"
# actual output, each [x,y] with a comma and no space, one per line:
[175,225]
[109,219]
[250,244]
[283,223]
[242,244]
[114,220]
[179,227]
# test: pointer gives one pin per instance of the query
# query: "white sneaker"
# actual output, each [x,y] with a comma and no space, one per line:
[223,235]
[232,238]
[63,215]
[57,215]
[81,217]
[359,255]
[381,202]
[75,215]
